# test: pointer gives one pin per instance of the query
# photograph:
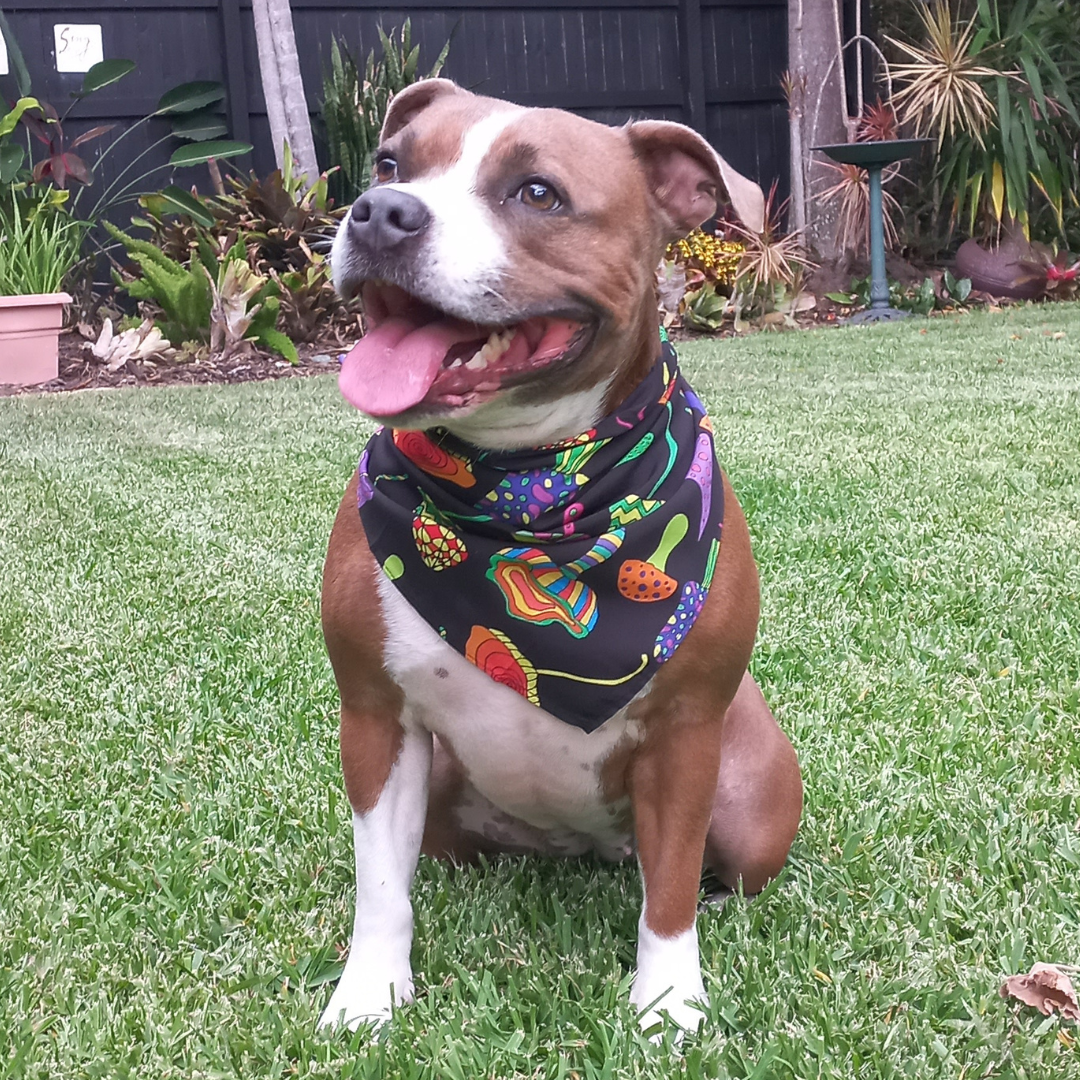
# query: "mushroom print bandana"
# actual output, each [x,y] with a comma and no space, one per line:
[570,572]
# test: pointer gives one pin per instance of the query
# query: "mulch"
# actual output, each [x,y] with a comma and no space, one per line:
[79,370]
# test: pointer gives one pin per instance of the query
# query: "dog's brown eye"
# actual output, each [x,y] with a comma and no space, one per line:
[539,196]
[385,170]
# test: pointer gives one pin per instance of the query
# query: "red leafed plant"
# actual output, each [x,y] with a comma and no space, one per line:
[1059,280]
[61,164]
[878,123]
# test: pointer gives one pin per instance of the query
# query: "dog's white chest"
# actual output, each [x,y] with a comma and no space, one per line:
[527,767]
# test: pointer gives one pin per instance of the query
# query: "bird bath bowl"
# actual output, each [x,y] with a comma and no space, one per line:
[873,157]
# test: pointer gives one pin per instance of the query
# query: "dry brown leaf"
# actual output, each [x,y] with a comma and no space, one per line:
[1045,987]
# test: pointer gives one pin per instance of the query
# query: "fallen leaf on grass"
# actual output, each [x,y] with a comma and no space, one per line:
[1045,987]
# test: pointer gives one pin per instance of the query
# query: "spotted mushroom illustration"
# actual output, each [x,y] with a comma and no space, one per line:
[647,580]
[691,601]
[521,497]
[701,473]
[538,590]
[438,544]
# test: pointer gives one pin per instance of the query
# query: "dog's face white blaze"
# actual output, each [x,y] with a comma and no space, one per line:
[466,254]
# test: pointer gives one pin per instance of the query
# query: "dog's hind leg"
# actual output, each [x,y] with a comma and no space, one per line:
[388,823]
[758,796]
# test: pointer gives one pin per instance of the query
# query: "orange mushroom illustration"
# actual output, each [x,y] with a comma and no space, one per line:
[647,581]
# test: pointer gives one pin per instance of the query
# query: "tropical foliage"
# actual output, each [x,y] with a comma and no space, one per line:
[285,226]
[214,298]
[998,89]
[355,101]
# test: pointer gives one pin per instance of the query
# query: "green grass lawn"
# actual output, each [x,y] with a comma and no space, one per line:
[174,837]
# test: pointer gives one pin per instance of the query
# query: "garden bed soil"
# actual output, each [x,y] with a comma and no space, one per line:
[79,370]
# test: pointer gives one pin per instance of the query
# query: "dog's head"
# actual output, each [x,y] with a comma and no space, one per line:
[505,260]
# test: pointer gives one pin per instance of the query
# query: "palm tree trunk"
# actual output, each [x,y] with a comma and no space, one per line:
[817,112]
[283,86]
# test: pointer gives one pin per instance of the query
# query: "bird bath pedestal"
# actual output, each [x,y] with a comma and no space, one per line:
[873,157]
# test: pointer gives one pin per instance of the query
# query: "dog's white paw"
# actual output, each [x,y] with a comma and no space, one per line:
[668,985]
[678,1005]
[365,998]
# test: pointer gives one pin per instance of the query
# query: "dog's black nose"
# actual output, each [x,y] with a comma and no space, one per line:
[383,217]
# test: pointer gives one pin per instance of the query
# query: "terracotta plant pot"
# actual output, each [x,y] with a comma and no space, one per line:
[29,337]
[997,271]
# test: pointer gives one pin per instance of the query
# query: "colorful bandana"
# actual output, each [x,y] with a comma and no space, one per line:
[570,572]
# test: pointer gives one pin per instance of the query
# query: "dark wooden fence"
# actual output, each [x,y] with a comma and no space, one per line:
[713,64]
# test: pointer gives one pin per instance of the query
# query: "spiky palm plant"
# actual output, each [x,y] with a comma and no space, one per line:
[355,102]
[851,193]
[944,95]
[771,257]
[995,92]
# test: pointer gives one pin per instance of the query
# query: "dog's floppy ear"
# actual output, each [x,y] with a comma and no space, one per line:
[413,99]
[686,176]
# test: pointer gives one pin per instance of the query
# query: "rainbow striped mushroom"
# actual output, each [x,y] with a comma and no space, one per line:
[537,590]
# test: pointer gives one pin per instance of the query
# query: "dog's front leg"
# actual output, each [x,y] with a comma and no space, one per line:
[672,782]
[386,776]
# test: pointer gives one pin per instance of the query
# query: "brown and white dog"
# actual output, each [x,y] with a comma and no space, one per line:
[506,226]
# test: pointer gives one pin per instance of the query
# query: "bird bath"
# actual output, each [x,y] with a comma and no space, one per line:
[873,157]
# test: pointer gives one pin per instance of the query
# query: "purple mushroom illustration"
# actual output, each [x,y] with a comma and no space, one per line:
[691,601]
[694,401]
[701,472]
[364,488]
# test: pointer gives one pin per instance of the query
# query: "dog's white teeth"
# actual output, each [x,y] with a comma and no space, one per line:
[457,363]
[496,344]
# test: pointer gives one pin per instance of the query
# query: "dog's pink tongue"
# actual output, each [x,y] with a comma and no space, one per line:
[391,368]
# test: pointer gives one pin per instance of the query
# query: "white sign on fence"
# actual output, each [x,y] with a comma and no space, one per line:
[3,56]
[78,46]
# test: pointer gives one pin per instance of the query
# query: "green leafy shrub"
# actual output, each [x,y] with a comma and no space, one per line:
[283,226]
[919,299]
[204,300]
